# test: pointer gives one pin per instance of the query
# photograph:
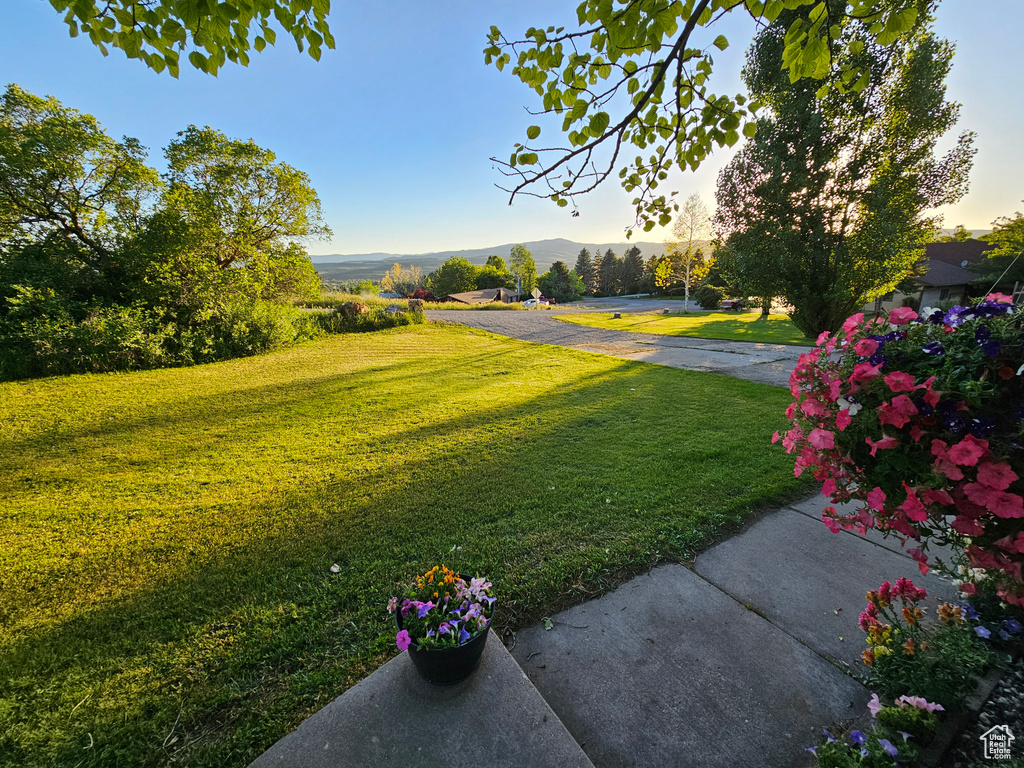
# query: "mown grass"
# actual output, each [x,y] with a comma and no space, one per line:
[331,299]
[736,326]
[167,536]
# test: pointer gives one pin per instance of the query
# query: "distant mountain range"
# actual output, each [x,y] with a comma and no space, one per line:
[372,266]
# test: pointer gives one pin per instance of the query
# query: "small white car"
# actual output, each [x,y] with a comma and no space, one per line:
[531,303]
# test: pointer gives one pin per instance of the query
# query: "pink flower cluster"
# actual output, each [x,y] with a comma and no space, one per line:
[872,424]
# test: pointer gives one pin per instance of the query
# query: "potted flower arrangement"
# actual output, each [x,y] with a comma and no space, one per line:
[443,619]
[921,419]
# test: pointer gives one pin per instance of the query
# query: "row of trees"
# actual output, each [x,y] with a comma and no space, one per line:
[107,264]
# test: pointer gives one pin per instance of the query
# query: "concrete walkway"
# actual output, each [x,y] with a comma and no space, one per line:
[738,661]
[765,363]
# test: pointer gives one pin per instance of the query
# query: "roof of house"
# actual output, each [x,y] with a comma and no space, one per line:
[479,297]
[956,253]
[941,274]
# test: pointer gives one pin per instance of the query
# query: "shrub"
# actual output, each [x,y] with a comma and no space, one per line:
[707,297]
[375,320]
[424,294]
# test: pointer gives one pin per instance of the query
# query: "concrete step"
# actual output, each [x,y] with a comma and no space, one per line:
[668,670]
[811,582]
[494,718]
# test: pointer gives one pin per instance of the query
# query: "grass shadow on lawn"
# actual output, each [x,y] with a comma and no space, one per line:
[208,628]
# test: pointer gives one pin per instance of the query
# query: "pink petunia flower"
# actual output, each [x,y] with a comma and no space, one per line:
[843,419]
[968,451]
[902,315]
[998,476]
[866,347]
[822,439]
[876,499]
[919,702]
[898,381]
[874,706]
[852,323]
[913,507]
[883,444]
[1002,298]
[402,640]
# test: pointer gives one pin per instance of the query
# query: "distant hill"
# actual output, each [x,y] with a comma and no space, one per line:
[372,266]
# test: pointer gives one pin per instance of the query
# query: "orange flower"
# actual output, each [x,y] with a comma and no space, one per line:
[909,616]
[908,647]
[868,657]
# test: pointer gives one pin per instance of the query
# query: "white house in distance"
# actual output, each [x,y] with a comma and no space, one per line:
[946,277]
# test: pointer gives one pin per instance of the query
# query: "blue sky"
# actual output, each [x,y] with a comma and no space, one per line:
[397,125]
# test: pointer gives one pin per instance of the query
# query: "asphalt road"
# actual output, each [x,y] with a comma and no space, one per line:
[765,363]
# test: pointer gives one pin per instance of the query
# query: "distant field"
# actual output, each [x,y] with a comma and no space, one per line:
[736,326]
[167,536]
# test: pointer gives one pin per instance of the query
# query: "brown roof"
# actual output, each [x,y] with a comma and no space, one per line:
[971,251]
[941,274]
[480,297]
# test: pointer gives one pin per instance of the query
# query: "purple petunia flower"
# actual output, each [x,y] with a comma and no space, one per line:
[828,735]
[444,629]
[934,348]
[981,427]
[463,636]
[888,747]
[878,359]
[905,735]
[858,738]
[406,607]
[1013,626]
[992,347]
[983,632]
[392,605]
[424,607]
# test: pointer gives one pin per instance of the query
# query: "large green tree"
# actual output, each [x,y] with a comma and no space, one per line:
[832,189]
[62,175]
[586,270]
[159,32]
[456,275]
[1004,266]
[523,268]
[636,75]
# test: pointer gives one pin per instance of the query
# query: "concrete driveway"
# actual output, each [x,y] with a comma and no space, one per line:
[764,363]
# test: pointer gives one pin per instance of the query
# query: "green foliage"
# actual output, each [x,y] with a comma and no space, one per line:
[942,668]
[909,719]
[586,271]
[497,263]
[491,276]
[707,297]
[97,273]
[560,284]
[825,205]
[609,273]
[377,319]
[456,275]
[523,268]
[633,76]
[1002,265]
[61,174]
[159,32]
[632,274]
[240,199]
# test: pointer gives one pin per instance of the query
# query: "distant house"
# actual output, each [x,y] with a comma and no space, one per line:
[486,296]
[947,274]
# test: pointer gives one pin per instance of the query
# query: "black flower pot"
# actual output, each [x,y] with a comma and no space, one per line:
[447,666]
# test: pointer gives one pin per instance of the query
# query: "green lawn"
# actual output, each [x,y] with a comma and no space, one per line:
[738,326]
[167,536]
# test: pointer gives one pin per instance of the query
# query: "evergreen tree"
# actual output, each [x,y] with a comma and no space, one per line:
[586,270]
